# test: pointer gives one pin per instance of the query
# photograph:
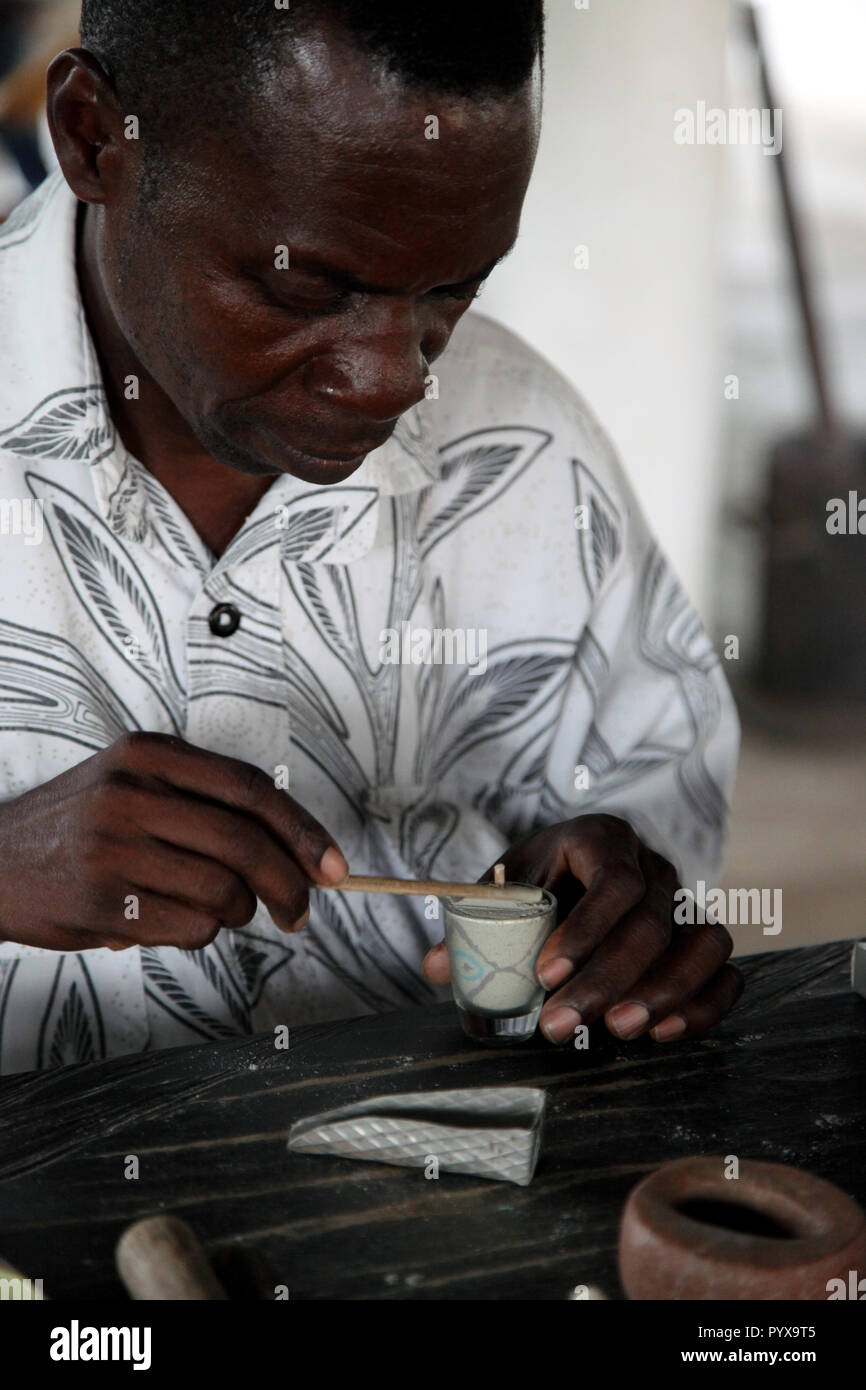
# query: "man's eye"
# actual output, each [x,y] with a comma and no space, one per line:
[463,294]
[296,295]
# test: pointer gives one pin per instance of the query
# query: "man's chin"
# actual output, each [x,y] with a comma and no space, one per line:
[318,471]
[310,468]
[266,456]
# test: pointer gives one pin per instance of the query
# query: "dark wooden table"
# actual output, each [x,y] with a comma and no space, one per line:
[784,1079]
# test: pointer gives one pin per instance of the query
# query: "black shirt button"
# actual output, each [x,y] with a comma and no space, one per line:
[224,620]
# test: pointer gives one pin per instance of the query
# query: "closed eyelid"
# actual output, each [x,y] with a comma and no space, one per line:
[305,264]
[467,287]
[350,284]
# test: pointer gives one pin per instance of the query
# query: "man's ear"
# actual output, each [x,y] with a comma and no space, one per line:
[87,126]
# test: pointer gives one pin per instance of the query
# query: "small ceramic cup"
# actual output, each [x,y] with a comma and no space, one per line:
[493,948]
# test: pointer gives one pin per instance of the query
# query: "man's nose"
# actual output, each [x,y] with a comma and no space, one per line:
[376,376]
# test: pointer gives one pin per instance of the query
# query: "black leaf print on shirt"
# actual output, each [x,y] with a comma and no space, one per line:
[180,542]
[476,470]
[250,962]
[473,475]
[365,955]
[383,700]
[258,958]
[70,424]
[399,966]
[510,803]
[592,663]
[210,962]
[431,679]
[639,762]
[124,608]
[332,940]
[600,543]
[425,829]
[305,529]
[671,638]
[520,678]
[185,1007]
[527,768]
[71,1027]
[48,687]
[318,729]
[107,581]
[113,592]
[595,754]
[72,1040]
[298,533]
[328,592]
[124,510]
[308,690]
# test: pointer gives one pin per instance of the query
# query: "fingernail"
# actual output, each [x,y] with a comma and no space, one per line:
[332,865]
[669,1028]
[627,1020]
[555,972]
[560,1023]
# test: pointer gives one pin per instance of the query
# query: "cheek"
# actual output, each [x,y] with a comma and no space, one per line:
[202,341]
[237,347]
[155,314]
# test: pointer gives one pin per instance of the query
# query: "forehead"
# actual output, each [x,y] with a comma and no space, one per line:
[338,155]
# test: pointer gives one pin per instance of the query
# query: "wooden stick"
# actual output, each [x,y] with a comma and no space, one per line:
[370,883]
[159,1257]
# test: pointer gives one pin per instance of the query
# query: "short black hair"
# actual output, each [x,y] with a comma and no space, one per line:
[171,61]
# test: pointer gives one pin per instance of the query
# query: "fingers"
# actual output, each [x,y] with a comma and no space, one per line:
[695,957]
[237,784]
[163,921]
[437,965]
[616,884]
[639,978]
[617,963]
[614,953]
[705,1010]
[170,923]
[74,939]
[215,858]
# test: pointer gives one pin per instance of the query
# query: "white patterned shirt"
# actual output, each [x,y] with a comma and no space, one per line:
[497,515]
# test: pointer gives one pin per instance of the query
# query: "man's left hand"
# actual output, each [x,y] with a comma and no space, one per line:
[616,951]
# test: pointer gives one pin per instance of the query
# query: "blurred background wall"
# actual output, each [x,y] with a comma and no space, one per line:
[684,279]
[639,330]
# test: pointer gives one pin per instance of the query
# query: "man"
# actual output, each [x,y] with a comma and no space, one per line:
[316,584]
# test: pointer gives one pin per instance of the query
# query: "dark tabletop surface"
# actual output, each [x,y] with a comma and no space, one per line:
[781,1079]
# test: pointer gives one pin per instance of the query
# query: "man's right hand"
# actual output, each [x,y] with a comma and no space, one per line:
[193,836]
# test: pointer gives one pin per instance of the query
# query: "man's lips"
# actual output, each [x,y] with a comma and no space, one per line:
[358,452]
[348,454]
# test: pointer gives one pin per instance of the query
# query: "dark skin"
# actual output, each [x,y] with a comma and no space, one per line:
[247,371]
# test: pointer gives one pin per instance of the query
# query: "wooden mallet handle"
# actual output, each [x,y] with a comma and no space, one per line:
[160,1258]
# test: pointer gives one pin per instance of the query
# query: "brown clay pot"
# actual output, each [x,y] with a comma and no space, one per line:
[774,1232]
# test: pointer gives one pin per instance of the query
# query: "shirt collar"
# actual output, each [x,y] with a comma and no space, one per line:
[58,379]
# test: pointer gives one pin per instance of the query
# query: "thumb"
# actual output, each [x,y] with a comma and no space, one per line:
[436,965]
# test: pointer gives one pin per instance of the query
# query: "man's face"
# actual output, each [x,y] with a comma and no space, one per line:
[389,233]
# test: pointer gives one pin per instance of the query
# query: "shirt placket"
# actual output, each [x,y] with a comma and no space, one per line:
[237,701]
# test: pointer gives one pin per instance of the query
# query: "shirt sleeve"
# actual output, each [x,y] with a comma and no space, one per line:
[648,728]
